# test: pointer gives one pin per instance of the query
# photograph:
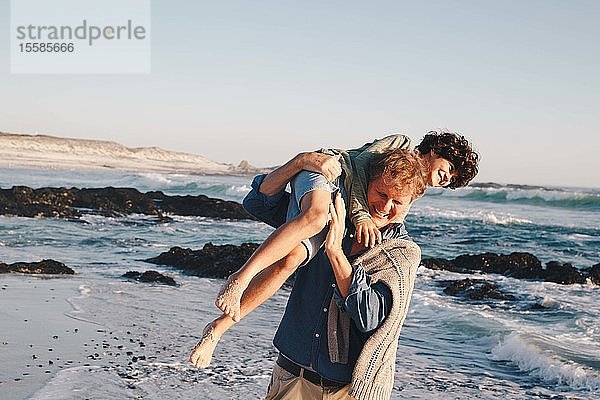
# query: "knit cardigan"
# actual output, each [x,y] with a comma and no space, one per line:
[393,262]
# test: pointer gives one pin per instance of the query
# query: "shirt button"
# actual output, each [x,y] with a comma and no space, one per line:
[333,285]
[316,335]
[324,310]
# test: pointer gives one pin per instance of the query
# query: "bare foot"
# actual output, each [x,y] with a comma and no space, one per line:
[228,300]
[202,353]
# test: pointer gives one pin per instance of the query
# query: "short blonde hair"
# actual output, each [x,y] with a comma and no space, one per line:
[401,168]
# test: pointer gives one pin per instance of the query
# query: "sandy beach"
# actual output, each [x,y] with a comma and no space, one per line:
[41,334]
[82,337]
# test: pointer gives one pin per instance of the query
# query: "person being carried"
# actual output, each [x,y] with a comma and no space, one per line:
[450,162]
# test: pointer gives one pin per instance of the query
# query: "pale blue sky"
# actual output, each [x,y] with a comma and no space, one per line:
[262,80]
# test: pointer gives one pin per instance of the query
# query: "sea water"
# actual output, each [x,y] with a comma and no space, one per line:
[449,348]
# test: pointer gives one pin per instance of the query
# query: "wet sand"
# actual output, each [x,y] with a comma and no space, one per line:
[37,338]
[91,337]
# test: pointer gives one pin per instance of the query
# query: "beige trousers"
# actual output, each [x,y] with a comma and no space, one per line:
[286,386]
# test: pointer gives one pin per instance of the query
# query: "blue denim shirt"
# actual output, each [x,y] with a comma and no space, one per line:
[302,333]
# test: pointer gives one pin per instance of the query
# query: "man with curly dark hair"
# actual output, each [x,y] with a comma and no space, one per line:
[448,149]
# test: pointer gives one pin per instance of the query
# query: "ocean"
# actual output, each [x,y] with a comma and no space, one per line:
[449,348]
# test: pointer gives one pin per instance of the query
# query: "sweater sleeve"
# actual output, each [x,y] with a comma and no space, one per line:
[359,209]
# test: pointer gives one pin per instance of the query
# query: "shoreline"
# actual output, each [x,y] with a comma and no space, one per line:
[78,165]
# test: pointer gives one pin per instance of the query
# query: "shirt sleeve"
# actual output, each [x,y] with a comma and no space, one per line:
[271,210]
[367,304]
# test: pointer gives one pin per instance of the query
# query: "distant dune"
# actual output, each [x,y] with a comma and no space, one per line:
[43,151]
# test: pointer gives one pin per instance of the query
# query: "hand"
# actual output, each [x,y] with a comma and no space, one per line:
[367,233]
[328,166]
[337,226]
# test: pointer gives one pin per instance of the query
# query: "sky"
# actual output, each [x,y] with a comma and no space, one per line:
[264,80]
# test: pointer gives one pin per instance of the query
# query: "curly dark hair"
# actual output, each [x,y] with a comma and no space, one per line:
[457,150]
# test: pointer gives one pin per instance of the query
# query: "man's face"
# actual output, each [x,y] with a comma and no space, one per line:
[441,171]
[387,204]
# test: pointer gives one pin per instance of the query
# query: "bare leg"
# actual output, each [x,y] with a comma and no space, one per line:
[263,286]
[312,219]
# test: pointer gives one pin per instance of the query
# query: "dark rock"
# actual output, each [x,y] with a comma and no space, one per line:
[150,277]
[442,264]
[212,261]
[512,264]
[114,202]
[475,289]
[563,273]
[71,203]
[515,265]
[594,274]
[46,202]
[40,267]
[200,205]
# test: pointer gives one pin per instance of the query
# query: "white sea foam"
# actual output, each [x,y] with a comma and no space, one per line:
[490,217]
[85,290]
[549,368]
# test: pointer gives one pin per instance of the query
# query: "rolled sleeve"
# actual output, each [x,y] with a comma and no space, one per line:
[272,209]
[367,304]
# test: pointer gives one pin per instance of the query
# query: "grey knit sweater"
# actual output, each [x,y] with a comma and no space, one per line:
[394,262]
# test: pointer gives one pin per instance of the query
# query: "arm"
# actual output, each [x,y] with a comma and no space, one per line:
[342,270]
[367,304]
[324,164]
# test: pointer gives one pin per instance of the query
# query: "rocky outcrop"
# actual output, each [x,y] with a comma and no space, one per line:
[150,277]
[41,267]
[515,265]
[594,274]
[24,201]
[202,206]
[475,289]
[212,261]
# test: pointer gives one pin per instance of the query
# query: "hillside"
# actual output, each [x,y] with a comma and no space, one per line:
[43,151]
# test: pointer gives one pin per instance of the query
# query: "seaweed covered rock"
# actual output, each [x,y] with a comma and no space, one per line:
[200,205]
[24,201]
[40,267]
[516,265]
[563,273]
[475,289]
[212,261]
[150,277]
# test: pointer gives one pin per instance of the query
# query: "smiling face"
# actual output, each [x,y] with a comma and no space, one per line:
[441,171]
[387,203]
